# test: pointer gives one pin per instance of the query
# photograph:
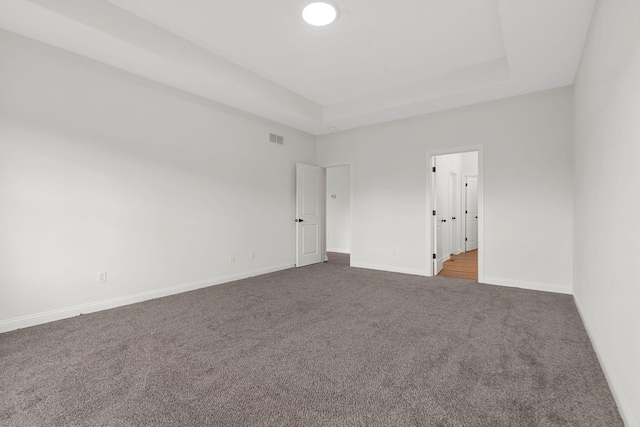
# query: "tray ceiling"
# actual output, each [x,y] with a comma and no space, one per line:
[378,61]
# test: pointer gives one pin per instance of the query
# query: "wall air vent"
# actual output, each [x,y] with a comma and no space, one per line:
[278,139]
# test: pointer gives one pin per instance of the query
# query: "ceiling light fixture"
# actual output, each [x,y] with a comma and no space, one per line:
[319,14]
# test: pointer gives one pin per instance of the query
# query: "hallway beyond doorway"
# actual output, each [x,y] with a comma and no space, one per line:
[461,266]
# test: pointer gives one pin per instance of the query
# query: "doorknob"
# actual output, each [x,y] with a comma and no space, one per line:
[444,220]
[299,220]
[453,217]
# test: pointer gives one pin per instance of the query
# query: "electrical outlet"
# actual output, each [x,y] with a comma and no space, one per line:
[252,254]
[232,257]
[102,277]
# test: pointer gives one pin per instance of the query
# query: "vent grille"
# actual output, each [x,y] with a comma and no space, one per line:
[278,139]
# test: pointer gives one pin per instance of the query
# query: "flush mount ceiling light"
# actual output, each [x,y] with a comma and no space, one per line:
[319,14]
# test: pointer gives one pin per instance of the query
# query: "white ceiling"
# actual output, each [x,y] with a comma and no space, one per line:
[374,45]
[378,61]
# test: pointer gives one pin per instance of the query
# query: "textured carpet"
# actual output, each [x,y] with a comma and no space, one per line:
[321,345]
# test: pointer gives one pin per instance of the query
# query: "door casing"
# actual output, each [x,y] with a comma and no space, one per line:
[431,194]
[324,167]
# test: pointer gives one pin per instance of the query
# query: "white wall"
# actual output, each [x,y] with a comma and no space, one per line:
[338,210]
[470,163]
[101,170]
[607,182]
[528,187]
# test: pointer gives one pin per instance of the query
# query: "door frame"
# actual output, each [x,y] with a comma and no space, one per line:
[430,198]
[324,167]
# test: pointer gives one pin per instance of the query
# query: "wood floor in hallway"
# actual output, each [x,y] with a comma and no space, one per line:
[461,266]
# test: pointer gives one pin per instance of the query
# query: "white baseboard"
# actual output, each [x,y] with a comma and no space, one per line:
[623,405]
[389,268]
[65,313]
[339,250]
[534,286]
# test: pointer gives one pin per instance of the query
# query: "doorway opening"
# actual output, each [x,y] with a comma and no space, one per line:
[454,220]
[338,236]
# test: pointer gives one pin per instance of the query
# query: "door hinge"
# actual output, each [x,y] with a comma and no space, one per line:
[466,185]
[465,239]
[434,212]
[434,256]
[433,169]
[466,211]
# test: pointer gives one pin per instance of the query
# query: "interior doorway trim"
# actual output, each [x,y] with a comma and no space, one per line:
[324,167]
[430,202]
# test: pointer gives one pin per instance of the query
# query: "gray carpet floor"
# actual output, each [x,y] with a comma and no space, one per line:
[321,345]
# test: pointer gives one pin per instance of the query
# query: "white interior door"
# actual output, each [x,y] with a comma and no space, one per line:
[446,213]
[440,237]
[308,214]
[453,208]
[471,209]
